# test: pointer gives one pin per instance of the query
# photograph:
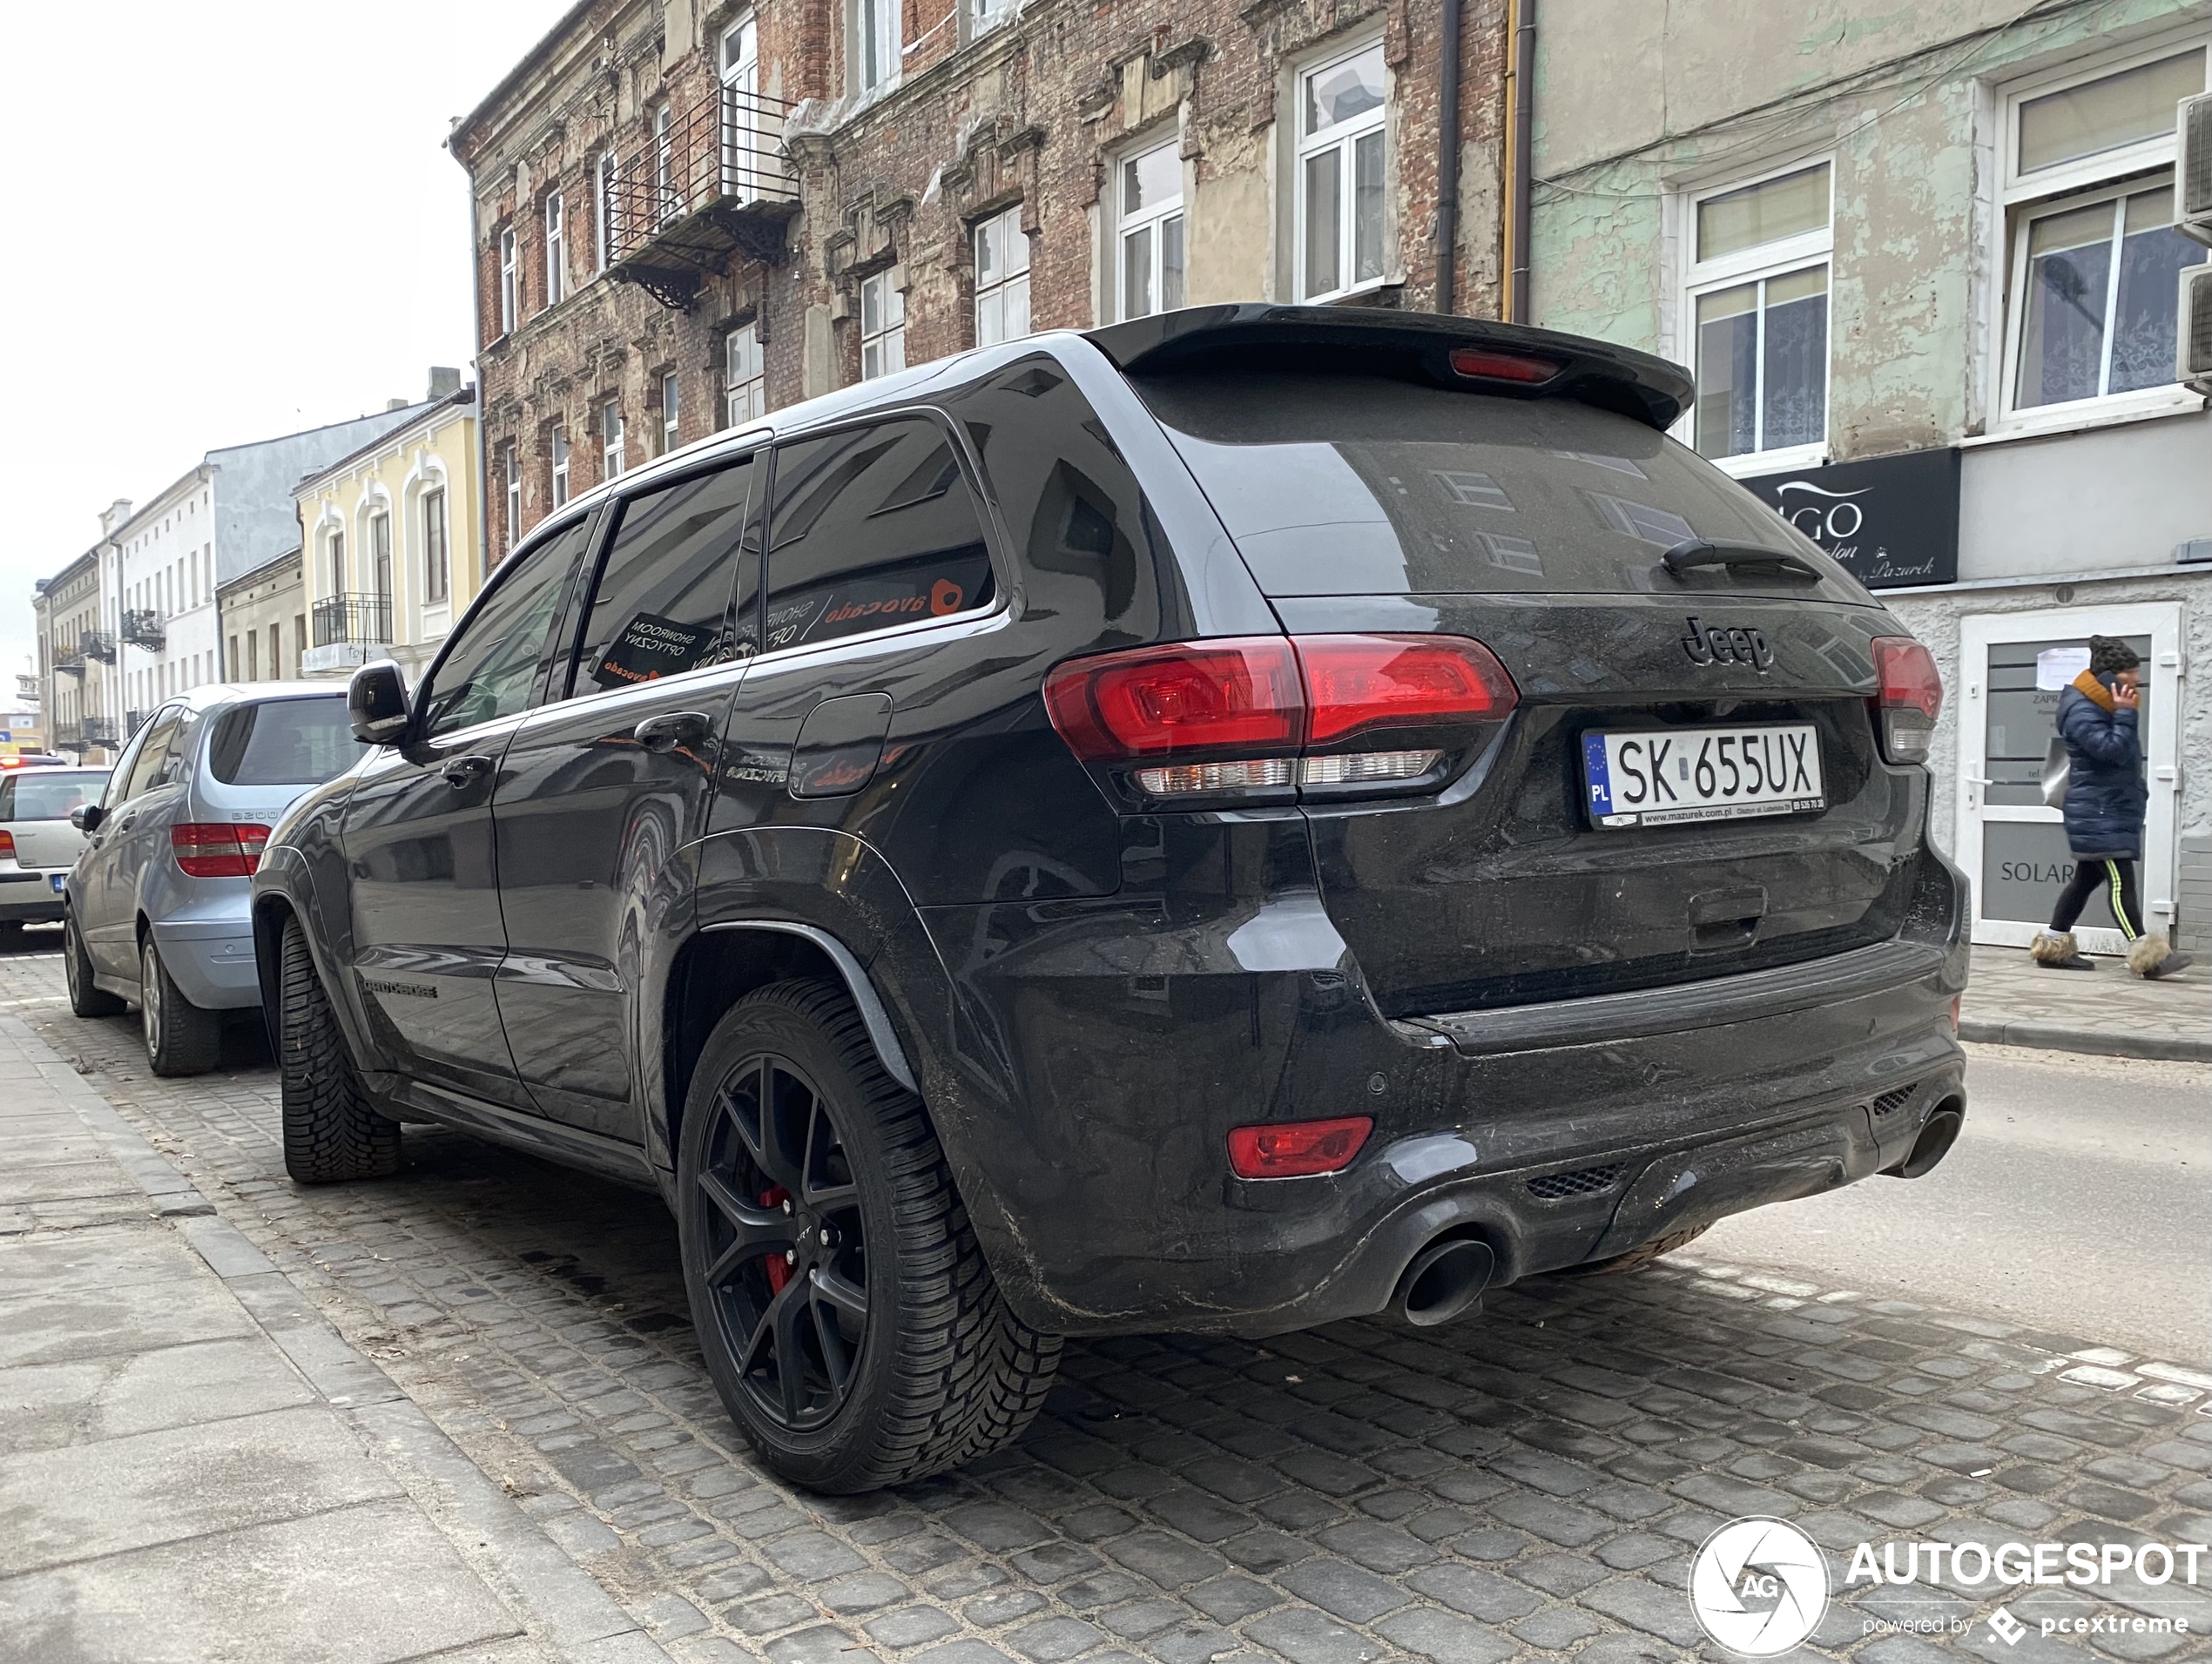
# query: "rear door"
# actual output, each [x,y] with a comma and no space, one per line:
[428,938]
[598,791]
[1536,526]
[135,833]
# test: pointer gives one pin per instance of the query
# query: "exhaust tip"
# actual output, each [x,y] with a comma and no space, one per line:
[1444,1280]
[1934,1142]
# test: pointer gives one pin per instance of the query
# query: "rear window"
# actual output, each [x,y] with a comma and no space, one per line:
[1352,485]
[51,797]
[282,741]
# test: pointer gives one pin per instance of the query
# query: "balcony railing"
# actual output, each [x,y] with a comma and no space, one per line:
[144,627]
[362,618]
[715,184]
[70,664]
[97,644]
[98,730]
[132,721]
[69,737]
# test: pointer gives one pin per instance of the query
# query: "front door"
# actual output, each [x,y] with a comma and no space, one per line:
[2015,666]
[134,832]
[428,934]
[601,791]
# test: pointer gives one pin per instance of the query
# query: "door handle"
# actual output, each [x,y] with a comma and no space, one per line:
[670,728]
[129,821]
[459,771]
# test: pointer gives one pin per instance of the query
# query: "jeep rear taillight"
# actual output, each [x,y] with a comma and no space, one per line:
[1268,713]
[218,848]
[1910,697]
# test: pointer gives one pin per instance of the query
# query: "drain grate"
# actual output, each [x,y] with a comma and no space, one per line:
[1894,1100]
[1553,1187]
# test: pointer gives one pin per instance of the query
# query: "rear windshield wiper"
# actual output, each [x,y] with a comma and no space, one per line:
[1700,551]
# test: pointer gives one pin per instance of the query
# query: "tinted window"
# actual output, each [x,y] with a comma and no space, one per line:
[282,741]
[494,663]
[150,768]
[1352,485]
[32,797]
[872,527]
[662,602]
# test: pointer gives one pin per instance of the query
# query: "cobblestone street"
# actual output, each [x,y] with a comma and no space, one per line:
[1527,1485]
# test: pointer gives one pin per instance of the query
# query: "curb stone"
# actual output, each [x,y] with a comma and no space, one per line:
[2052,1037]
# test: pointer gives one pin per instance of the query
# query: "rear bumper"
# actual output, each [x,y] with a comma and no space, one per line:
[29,897]
[211,960]
[1672,1108]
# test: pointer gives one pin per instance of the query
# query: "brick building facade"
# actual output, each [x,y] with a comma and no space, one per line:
[689,212]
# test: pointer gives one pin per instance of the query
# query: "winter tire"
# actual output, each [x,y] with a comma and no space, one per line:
[1641,1255]
[331,1131]
[843,1306]
[181,1039]
[86,997]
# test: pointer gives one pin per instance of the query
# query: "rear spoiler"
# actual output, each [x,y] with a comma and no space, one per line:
[1253,335]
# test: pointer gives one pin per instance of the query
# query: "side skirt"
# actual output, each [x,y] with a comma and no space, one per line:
[534,1135]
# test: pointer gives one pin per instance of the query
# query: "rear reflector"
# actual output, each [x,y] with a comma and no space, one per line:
[1486,364]
[1235,714]
[1909,698]
[1295,1149]
[218,848]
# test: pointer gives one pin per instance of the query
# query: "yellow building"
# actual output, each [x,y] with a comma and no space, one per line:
[391,542]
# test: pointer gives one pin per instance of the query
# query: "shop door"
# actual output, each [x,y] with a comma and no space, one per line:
[2015,666]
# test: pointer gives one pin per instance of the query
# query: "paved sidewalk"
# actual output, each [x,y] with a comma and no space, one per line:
[198,1466]
[2012,1001]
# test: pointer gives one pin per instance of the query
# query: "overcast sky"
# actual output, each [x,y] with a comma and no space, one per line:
[233,221]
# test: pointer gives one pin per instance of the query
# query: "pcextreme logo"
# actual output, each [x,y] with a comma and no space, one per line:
[1759,1587]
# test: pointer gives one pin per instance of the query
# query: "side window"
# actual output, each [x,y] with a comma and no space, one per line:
[872,527]
[151,768]
[661,603]
[494,661]
[118,781]
[8,799]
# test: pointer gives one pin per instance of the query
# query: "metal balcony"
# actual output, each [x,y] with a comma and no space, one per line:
[98,730]
[97,644]
[716,186]
[348,630]
[70,664]
[144,627]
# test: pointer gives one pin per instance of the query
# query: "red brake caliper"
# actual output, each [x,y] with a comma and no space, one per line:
[779,1271]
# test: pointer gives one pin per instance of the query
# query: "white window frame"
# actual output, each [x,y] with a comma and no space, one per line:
[613,437]
[2025,197]
[557,248]
[1127,224]
[559,441]
[1010,287]
[984,15]
[889,337]
[876,29]
[510,282]
[437,548]
[1344,137]
[744,378]
[669,400]
[1758,263]
[665,201]
[604,174]
[513,497]
[740,109]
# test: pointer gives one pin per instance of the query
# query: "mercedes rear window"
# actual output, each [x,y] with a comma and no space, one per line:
[282,741]
[1337,484]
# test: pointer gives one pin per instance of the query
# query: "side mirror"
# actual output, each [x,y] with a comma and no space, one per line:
[376,700]
[86,816]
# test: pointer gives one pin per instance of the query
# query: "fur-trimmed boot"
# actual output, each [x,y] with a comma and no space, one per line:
[2056,949]
[2149,958]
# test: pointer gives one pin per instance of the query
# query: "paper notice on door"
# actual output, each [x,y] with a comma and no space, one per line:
[2055,667]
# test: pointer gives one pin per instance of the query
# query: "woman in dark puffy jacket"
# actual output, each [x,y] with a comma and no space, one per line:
[2105,795]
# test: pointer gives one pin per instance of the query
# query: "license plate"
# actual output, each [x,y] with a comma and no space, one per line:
[1656,779]
[57,880]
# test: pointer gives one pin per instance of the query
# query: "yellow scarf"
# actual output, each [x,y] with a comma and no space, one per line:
[2089,688]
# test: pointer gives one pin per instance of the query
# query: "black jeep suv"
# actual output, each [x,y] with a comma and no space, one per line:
[1229,821]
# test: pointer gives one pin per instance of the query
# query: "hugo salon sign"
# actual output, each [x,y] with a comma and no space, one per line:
[1891,521]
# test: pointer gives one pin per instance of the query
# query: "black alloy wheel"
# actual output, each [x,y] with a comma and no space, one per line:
[842,1303]
[780,1214]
